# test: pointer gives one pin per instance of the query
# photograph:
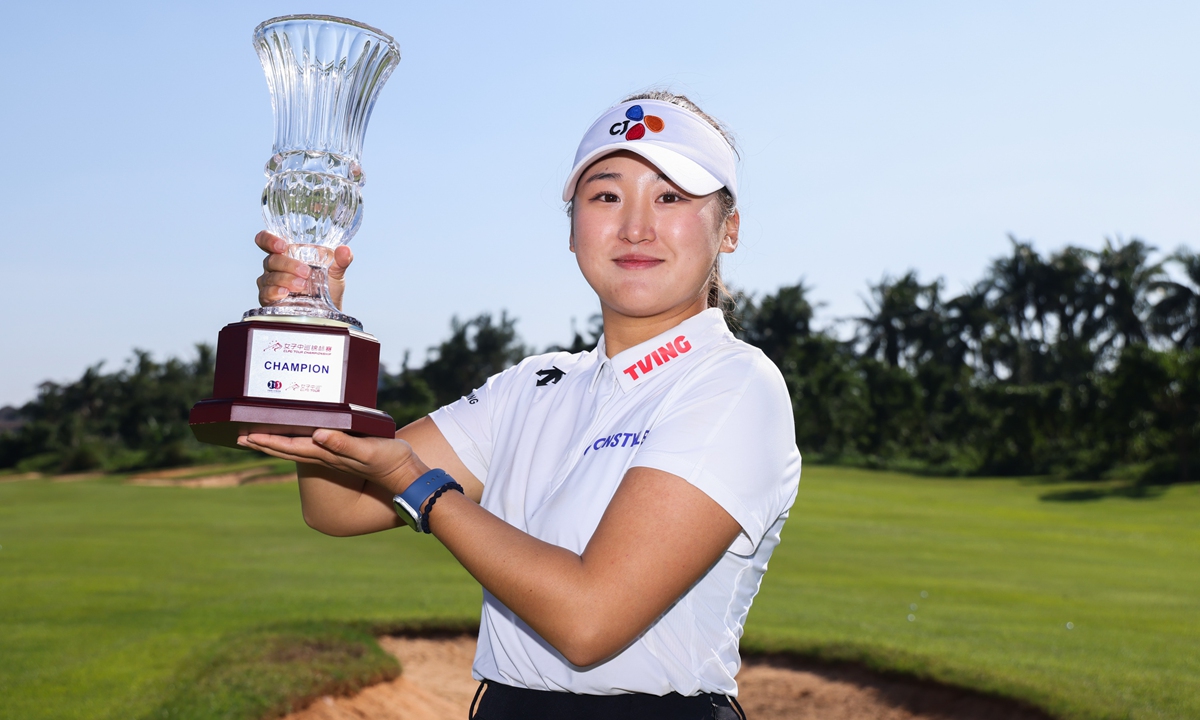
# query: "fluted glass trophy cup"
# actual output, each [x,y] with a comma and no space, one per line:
[300,363]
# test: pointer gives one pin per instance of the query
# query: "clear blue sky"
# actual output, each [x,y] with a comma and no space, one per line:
[875,136]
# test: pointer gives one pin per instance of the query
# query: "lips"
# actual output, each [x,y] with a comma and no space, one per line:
[637,261]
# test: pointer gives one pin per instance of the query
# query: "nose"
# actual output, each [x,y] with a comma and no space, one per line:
[637,222]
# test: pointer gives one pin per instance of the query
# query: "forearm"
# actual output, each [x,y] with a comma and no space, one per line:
[657,537]
[341,504]
[547,586]
[571,601]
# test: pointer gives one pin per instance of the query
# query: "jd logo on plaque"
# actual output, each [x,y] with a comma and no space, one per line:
[300,363]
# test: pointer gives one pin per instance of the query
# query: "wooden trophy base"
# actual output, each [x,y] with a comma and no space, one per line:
[288,377]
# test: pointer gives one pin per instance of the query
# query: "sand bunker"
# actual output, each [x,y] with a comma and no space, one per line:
[70,477]
[202,476]
[436,684]
[214,477]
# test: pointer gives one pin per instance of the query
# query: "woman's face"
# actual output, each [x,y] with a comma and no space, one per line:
[646,247]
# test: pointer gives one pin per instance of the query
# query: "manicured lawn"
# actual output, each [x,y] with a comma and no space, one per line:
[106,590]
[1005,572]
[112,596]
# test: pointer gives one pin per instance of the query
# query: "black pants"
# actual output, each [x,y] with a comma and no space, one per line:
[504,702]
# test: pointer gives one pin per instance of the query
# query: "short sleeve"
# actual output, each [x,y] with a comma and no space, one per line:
[466,424]
[729,431]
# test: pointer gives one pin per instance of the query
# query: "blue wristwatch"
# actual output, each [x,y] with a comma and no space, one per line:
[408,503]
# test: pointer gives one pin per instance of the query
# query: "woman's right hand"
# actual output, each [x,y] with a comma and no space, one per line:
[283,275]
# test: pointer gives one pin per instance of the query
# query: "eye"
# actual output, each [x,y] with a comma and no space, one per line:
[605,197]
[670,197]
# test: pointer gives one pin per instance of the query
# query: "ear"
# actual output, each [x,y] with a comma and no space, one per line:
[571,224]
[733,224]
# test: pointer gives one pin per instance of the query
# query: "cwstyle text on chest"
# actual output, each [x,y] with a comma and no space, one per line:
[621,439]
[658,357]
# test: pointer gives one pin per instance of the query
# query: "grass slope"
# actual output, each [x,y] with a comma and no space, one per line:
[110,593]
[119,601]
[1004,572]
[269,672]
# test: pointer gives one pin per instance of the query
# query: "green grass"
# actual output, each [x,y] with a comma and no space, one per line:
[123,602]
[1004,571]
[269,672]
[111,595]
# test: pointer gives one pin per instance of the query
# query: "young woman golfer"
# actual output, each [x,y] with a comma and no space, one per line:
[618,506]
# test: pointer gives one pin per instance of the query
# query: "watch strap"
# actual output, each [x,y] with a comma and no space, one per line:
[408,503]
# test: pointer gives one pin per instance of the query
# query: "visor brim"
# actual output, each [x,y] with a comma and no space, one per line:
[684,172]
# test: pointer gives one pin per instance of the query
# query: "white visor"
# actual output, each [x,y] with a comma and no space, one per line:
[678,142]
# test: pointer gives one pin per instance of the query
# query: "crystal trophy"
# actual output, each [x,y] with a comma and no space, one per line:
[300,363]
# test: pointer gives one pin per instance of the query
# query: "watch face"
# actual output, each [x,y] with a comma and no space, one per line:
[410,516]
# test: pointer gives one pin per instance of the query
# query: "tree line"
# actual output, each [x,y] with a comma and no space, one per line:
[136,417]
[1079,363]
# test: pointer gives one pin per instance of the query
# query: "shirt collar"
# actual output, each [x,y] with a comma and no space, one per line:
[650,359]
[602,361]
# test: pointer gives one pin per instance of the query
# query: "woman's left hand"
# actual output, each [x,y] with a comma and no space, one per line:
[385,461]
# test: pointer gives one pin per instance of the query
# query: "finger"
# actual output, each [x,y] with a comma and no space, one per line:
[282,280]
[297,449]
[342,257]
[273,287]
[285,264]
[376,459]
[372,458]
[358,451]
[303,446]
[271,295]
[270,242]
[242,442]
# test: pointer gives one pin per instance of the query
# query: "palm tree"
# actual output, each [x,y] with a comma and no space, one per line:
[1124,279]
[1014,287]
[1176,316]
[904,320]
[969,322]
[779,322]
[475,350]
[1069,298]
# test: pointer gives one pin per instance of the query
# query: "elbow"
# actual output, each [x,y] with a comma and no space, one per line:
[322,524]
[582,655]
[588,643]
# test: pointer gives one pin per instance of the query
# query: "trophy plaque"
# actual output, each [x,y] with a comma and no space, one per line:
[300,363]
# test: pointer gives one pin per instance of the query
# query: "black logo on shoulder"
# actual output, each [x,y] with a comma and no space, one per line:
[551,376]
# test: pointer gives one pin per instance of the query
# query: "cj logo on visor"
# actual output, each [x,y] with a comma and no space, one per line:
[642,121]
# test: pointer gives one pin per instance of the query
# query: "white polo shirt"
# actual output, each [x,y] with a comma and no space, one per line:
[551,439]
